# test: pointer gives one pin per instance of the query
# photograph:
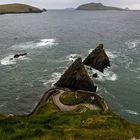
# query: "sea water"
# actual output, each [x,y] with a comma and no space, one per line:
[53,40]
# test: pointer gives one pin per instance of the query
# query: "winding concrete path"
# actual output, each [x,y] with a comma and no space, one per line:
[55,93]
[64,108]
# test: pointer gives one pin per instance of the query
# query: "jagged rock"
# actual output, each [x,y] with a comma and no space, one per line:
[76,77]
[95,75]
[20,54]
[97,59]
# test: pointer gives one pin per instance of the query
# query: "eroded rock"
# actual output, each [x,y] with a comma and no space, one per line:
[97,59]
[76,77]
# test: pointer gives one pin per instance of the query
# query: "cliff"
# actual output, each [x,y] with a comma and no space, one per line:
[18,8]
[96,6]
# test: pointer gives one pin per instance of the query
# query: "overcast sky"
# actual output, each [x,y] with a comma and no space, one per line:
[60,4]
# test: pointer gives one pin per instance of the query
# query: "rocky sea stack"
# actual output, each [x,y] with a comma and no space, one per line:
[76,77]
[97,59]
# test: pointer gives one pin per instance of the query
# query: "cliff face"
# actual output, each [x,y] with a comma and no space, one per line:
[18,8]
[97,59]
[77,78]
[96,6]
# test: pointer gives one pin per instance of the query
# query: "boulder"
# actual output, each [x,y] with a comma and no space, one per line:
[20,54]
[97,59]
[76,77]
[95,75]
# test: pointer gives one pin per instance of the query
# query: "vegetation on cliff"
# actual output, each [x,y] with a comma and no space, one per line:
[49,123]
[96,6]
[18,8]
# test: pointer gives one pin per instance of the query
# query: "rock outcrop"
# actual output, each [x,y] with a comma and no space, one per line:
[97,59]
[76,77]
[20,54]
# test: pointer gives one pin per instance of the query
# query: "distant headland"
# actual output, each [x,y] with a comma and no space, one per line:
[17,8]
[97,6]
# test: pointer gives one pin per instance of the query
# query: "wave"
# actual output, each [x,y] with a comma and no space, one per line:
[111,55]
[33,45]
[107,75]
[7,61]
[131,112]
[72,57]
[17,98]
[55,77]
[132,44]
[10,60]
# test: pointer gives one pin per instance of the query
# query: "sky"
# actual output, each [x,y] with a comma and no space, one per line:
[61,4]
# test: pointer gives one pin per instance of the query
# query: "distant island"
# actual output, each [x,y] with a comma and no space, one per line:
[97,6]
[17,8]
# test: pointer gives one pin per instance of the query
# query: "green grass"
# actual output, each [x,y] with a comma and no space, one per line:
[17,8]
[75,98]
[51,124]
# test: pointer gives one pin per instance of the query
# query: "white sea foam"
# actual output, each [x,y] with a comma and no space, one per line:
[131,112]
[6,60]
[17,98]
[72,57]
[111,55]
[10,60]
[55,77]
[107,75]
[33,45]
[132,44]
[90,51]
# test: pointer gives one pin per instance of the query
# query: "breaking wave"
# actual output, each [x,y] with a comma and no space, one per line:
[107,75]
[132,44]
[33,45]
[131,112]
[72,57]
[111,55]
[10,60]
[55,77]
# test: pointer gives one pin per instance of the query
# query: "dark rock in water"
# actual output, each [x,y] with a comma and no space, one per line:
[44,10]
[11,58]
[16,55]
[95,75]
[97,59]
[20,54]
[76,77]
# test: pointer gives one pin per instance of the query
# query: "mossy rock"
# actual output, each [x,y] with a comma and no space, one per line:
[76,77]
[97,59]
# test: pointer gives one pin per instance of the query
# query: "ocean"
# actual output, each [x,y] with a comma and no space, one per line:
[53,40]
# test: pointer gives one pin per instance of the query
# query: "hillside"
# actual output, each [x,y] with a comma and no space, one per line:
[18,8]
[96,6]
[51,123]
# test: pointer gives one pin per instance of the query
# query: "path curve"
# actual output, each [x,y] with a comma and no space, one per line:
[64,108]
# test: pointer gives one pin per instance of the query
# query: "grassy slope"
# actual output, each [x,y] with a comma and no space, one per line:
[51,124]
[17,8]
